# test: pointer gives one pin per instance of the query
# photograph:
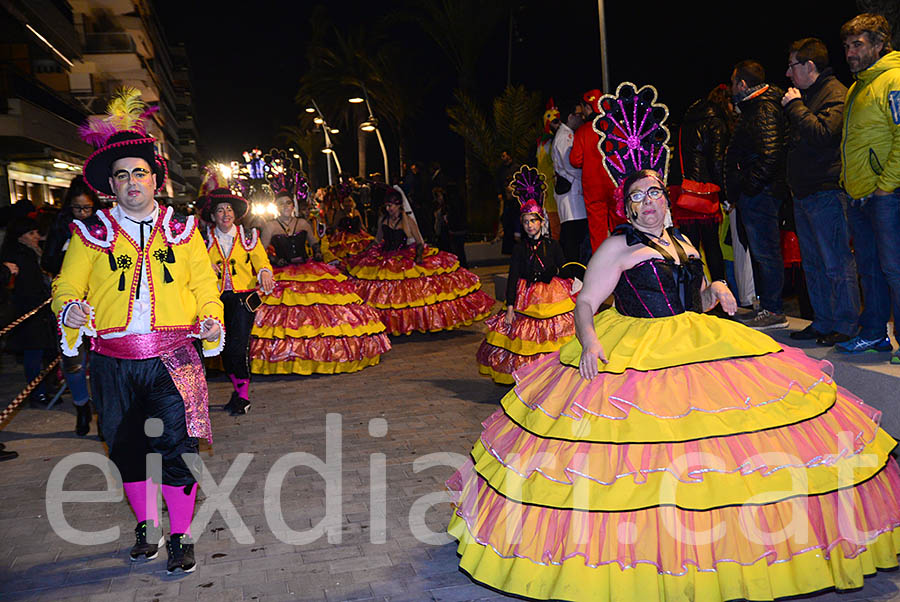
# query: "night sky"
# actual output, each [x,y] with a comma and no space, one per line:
[247,62]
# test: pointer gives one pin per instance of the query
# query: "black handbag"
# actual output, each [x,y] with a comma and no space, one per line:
[562,185]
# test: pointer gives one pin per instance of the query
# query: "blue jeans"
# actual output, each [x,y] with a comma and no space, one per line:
[830,269]
[73,371]
[759,214]
[875,226]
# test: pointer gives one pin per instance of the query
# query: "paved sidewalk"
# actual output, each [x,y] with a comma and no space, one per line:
[428,391]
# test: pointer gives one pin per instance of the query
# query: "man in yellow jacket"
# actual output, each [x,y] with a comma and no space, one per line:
[870,173]
[137,279]
[241,264]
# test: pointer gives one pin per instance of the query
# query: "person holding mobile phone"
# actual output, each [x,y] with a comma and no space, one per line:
[242,267]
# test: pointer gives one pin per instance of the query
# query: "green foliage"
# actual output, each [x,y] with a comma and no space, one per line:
[514,125]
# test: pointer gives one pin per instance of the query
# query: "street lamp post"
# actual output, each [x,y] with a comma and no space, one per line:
[371,125]
[329,148]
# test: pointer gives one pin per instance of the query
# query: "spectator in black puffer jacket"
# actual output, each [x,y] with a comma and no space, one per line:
[79,203]
[704,136]
[815,108]
[755,182]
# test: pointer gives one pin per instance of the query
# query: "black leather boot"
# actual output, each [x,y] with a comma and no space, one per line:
[83,419]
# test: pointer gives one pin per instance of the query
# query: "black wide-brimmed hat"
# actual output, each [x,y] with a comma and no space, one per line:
[223,195]
[127,143]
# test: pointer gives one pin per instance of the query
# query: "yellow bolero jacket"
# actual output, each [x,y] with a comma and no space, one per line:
[242,265]
[102,267]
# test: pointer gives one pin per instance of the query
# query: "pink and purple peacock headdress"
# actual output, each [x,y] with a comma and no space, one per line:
[632,133]
[528,187]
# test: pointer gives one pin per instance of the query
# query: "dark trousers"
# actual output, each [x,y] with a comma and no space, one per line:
[828,264]
[706,234]
[573,237]
[238,323]
[126,394]
[759,214]
[875,226]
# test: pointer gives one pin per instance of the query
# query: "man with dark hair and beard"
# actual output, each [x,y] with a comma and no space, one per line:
[870,154]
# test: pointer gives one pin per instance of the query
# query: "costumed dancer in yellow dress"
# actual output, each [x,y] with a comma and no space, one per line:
[348,234]
[242,266]
[669,455]
[415,287]
[313,322]
[538,318]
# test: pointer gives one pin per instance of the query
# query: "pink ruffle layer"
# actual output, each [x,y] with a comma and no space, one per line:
[294,317]
[444,315]
[412,292]
[319,349]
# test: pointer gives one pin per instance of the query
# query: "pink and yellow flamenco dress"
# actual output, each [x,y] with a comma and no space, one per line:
[349,238]
[544,319]
[705,462]
[435,294]
[314,323]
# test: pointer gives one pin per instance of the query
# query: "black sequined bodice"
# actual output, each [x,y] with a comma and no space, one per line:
[394,238]
[289,247]
[351,225]
[659,287]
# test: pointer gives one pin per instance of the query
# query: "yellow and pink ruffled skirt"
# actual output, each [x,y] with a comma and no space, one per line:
[704,463]
[314,322]
[544,321]
[436,294]
[340,245]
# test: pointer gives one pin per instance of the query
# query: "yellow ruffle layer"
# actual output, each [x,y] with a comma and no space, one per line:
[500,378]
[290,297]
[308,276]
[639,427]
[543,311]
[655,343]
[523,347]
[573,580]
[307,367]
[712,490]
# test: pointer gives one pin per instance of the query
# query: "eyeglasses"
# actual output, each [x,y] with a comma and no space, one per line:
[792,65]
[139,175]
[654,193]
[82,208]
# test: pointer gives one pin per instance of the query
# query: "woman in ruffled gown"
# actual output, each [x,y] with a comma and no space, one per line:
[671,455]
[349,236]
[415,287]
[313,322]
[538,318]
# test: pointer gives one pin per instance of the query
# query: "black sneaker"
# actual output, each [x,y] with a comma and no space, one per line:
[181,554]
[148,539]
[807,334]
[240,407]
[6,454]
[229,407]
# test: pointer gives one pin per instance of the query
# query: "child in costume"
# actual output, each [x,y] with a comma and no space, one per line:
[414,287]
[242,266]
[136,278]
[666,454]
[313,321]
[538,317]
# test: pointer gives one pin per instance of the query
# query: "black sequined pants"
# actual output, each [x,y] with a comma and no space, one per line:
[126,394]
[238,323]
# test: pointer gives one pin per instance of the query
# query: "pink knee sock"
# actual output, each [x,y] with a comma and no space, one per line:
[241,385]
[181,507]
[142,497]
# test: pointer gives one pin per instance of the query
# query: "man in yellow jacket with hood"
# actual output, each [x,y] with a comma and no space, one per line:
[870,173]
